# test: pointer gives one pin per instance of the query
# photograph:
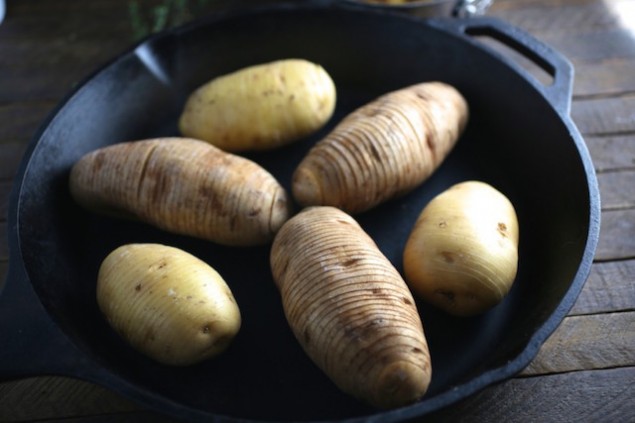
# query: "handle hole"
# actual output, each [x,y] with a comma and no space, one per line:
[510,48]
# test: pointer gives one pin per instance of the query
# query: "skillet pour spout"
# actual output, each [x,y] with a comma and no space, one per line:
[524,144]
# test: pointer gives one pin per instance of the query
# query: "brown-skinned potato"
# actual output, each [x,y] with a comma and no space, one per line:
[383,149]
[183,186]
[350,309]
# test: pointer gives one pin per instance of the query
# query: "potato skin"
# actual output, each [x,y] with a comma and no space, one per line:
[260,107]
[382,150]
[166,303]
[350,309]
[462,254]
[183,186]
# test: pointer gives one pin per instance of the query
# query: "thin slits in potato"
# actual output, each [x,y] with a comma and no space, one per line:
[350,309]
[183,186]
[382,150]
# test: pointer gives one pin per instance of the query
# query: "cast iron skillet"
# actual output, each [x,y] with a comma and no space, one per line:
[520,139]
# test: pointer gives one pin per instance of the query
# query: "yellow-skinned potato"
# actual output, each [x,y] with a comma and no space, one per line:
[167,304]
[383,149]
[462,254]
[350,309]
[184,186]
[260,107]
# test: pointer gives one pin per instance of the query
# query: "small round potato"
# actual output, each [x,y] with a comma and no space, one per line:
[462,254]
[260,107]
[168,304]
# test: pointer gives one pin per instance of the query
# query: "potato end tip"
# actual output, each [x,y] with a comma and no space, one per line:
[401,383]
[306,188]
[281,210]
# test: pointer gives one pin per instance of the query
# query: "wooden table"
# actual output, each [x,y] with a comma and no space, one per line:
[585,372]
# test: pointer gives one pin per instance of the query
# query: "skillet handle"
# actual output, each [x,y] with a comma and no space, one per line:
[31,343]
[559,89]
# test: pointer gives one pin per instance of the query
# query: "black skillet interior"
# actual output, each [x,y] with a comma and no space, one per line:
[516,140]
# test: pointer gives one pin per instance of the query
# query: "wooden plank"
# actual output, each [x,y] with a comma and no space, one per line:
[5,189]
[49,48]
[21,120]
[609,288]
[4,268]
[54,51]
[4,243]
[597,341]
[43,83]
[42,69]
[11,153]
[612,152]
[46,71]
[583,342]
[555,16]
[44,8]
[607,77]
[38,23]
[593,46]
[586,396]
[94,44]
[114,20]
[594,395]
[590,34]
[617,189]
[609,116]
[50,396]
[523,4]
[128,417]
[617,235]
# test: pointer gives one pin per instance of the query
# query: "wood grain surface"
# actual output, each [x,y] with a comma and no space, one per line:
[585,372]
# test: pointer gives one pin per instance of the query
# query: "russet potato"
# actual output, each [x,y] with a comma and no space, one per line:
[383,149]
[183,186]
[350,309]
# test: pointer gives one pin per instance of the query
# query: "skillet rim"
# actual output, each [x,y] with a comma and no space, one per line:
[427,405]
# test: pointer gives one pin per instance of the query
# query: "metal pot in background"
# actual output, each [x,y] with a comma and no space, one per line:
[430,8]
[158,16]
